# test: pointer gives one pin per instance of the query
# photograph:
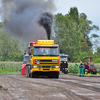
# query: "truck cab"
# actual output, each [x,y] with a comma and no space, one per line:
[26,58]
[45,59]
[64,63]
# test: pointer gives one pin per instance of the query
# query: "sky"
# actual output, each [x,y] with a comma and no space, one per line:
[90,7]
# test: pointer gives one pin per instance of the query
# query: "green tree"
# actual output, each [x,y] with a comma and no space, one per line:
[11,49]
[86,26]
[71,33]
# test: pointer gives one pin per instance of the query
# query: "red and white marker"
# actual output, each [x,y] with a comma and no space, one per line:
[38,62]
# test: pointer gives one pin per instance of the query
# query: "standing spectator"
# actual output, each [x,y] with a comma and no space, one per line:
[81,66]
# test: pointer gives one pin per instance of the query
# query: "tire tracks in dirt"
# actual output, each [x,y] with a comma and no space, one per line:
[4,91]
[81,85]
[69,95]
[80,79]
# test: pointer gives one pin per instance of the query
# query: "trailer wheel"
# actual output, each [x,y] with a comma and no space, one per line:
[67,72]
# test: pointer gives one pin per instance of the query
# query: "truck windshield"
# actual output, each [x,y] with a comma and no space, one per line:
[46,51]
[26,58]
[63,58]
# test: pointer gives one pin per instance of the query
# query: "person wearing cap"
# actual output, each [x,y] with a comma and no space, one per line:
[81,67]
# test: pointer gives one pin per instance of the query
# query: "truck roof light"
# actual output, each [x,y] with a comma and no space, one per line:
[32,43]
[36,43]
[46,41]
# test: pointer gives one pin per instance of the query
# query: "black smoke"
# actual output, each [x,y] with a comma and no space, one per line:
[46,20]
[20,18]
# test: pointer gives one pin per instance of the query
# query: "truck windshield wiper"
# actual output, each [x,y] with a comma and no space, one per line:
[52,55]
[46,55]
[38,55]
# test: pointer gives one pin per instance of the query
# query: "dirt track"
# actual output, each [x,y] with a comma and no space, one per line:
[67,87]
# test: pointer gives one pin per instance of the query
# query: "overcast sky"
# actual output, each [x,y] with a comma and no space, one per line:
[90,7]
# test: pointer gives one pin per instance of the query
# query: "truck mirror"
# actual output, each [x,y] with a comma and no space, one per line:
[61,50]
[29,51]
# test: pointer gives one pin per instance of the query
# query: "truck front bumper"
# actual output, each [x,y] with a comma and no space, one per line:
[45,70]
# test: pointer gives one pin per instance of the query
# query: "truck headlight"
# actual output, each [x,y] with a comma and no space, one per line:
[56,66]
[35,66]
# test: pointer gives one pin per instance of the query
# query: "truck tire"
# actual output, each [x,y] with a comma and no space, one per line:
[29,75]
[65,71]
[33,75]
[50,76]
[57,75]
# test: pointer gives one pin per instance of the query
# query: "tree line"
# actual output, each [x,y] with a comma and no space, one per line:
[70,31]
[11,49]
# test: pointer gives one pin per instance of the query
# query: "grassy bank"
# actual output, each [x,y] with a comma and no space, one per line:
[10,67]
[75,71]
[15,67]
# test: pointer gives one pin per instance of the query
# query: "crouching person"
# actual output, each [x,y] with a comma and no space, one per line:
[81,67]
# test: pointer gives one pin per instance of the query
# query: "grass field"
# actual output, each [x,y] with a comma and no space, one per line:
[15,67]
[73,70]
[72,64]
[10,67]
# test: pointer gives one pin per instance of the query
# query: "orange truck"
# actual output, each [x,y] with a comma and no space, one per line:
[45,59]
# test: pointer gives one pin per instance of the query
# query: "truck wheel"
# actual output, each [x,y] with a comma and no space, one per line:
[66,72]
[33,75]
[49,76]
[29,75]
[57,75]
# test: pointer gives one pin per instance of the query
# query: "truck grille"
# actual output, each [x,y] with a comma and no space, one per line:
[45,66]
[47,61]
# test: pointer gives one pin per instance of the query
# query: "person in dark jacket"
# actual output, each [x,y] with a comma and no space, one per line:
[81,66]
